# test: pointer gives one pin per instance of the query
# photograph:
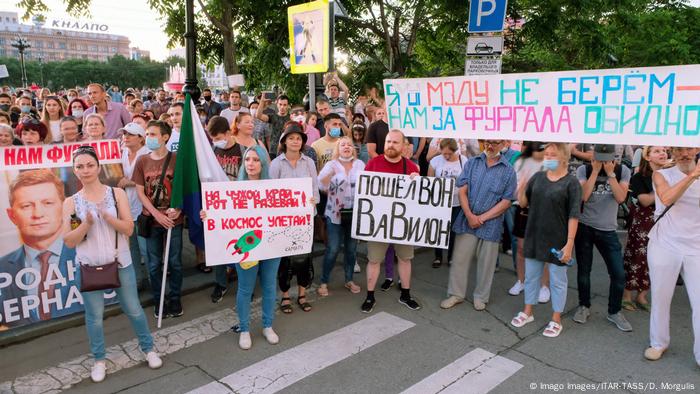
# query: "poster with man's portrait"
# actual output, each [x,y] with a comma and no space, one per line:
[309,37]
[39,277]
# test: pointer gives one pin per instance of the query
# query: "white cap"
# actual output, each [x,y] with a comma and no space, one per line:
[134,128]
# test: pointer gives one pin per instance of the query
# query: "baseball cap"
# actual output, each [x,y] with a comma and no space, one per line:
[604,152]
[134,128]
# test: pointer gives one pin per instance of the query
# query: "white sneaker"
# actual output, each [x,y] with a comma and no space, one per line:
[244,340]
[544,295]
[154,361]
[99,371]
[357,268]
[517,288]
[271,336]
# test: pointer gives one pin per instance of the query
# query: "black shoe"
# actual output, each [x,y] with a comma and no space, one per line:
[218,294]
[368,305]
[166,313]
[387,284]
[175,309]
[410,303]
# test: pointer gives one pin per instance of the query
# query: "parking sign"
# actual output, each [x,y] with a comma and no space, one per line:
[487,15]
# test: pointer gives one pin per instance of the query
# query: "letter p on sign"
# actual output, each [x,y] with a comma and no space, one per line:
[487,16]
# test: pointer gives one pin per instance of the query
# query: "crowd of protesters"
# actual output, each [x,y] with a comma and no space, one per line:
[546,204]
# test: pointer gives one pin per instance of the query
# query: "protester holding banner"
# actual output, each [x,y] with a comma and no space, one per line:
[486,189]
[134,139]
[448,164]
[105,219]
[642,220]
[605,185]
[31,131]
[390,162]
[338,178]
[292,163]
[554,201]
[674,247]
[153,176]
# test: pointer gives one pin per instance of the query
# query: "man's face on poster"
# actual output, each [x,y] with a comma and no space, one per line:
[37,212]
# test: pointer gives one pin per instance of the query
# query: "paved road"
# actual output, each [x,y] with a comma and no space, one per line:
[335,348]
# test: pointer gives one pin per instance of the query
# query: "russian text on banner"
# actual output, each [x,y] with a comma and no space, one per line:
[638,106]
[256,220]
[395,209]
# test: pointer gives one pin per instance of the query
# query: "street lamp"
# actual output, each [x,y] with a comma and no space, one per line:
[21,44]
[191,53]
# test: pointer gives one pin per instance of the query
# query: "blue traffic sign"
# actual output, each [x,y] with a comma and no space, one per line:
[487,16]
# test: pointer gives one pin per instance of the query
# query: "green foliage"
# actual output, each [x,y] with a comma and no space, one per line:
[118,71]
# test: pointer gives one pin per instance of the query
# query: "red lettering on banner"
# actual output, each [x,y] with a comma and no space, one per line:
[212,200]
[10,157]
[290,220]
[241,223]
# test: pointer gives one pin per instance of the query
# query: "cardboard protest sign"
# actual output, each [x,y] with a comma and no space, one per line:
[257,220]
[395,209]
[39,277]
[639,106]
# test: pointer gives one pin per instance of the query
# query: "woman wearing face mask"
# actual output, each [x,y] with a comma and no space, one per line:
[94,127]
[526,166]
[642,220]
[338,178]
[554,200]
[449,164]
[105,219]
[76,108]
[292,163]
[51,117]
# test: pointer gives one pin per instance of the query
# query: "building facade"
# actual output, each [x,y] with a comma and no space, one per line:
[56,44]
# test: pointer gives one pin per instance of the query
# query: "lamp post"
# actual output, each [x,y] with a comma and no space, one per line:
[21,44]
[41,68]
[191,53]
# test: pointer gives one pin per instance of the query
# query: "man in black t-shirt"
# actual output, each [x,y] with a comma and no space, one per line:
[276,120]
[376,134]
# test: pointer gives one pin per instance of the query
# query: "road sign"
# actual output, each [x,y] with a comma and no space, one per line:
[482,66]
[487,15]
[484,45]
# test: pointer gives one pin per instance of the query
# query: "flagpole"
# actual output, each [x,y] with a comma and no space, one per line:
[165,276]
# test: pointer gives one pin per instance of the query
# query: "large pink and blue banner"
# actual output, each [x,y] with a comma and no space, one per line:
[639,106]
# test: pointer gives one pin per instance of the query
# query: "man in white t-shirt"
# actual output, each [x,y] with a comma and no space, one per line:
[175,112]
[235,108]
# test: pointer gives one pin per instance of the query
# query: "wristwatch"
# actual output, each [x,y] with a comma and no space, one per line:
[612,176]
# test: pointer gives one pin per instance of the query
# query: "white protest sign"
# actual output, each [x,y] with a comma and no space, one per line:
[636,106]
[236,80]
[257,220]
[395,209]
[3,71]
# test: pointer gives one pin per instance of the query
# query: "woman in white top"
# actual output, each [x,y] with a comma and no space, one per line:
[467,147]
[448,164]
[338,178]
[133,140]
[104,214]
[51,116]
[674,248]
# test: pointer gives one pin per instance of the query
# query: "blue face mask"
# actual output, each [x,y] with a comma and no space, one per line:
[334,132]
[26,108]
[550,165]
[152,143]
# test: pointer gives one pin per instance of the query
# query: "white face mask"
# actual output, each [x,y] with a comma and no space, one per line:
[221,144]
[253,112]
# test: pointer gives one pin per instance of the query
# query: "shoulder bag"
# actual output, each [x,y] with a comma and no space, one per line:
[102,277]
[144,223]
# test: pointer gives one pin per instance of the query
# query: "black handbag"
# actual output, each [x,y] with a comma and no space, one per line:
[144,223]
[102,277]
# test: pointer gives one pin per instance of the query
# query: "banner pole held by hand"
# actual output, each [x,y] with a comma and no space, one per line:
[165,277]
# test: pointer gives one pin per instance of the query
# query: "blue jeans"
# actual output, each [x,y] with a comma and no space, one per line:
[128,298]
[135,249]
[246,285]
[337,234]
[155,245]
[557,283]
[609,247]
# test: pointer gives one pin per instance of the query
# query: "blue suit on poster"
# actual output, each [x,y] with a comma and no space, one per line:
[13,263]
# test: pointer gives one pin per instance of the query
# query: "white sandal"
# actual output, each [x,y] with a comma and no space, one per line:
[521,319]
[553,330]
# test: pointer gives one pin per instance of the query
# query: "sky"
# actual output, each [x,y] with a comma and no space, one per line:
[131,18]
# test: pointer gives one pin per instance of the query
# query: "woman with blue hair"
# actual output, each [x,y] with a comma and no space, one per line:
[255,167]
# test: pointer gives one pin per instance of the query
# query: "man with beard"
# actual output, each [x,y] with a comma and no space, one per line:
[376,133]
[673,247]
[486,189]
[393,163]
